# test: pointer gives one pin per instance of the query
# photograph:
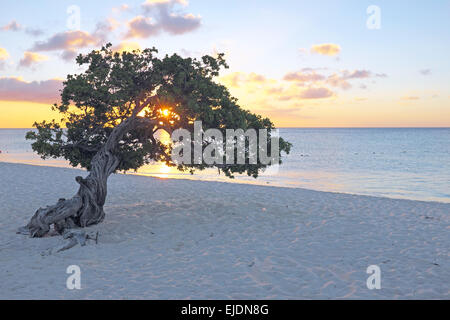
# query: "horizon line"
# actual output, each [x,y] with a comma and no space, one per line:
[413,127]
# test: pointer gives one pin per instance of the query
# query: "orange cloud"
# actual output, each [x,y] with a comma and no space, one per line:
[327,49]
[68,41]
[126,46]
[341,79]
[335,80]
[142,27]
[303,77]
[316,93]
[256,77]
[236,79]
[279,98]
[30,58]
[3,54]
[65,40]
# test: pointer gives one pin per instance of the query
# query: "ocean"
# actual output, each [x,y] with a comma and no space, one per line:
[407,163]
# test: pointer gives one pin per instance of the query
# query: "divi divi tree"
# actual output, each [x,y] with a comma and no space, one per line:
[110,115]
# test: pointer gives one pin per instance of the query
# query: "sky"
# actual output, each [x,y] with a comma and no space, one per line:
[323,63]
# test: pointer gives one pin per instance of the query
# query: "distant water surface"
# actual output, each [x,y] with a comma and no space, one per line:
[409,163]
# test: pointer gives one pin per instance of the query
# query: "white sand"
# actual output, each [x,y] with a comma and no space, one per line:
[179,239]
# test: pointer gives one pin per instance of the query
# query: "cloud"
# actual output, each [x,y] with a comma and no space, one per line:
[126,46]
[327,49]
[253,77]
[142,27]
[274,90]
[425,72]
[104,29]
[69,55]
[307,94]
[121,8]
[356,74]
[316,93]
[256,89]
[341,79]
[159,16]
[31,58]
[68,40]
[69,43]
[336,80]
[34,32]
[237,79]
[150,4]
[15,27]
[177,24]
[4,55]
[308,76]
[308,86]
[16,89]
[234,79]
[303,77]
[12,26]
[309,69]
[278,112]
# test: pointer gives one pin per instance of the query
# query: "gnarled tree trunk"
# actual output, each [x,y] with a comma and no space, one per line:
[86,207]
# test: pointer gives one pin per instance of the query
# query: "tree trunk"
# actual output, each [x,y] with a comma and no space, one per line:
[86,207]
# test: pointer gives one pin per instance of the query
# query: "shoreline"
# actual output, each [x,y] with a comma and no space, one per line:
[230,182]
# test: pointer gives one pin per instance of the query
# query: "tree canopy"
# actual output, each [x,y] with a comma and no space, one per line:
[147,93]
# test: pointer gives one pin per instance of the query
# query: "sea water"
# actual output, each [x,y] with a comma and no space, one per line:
[409,163]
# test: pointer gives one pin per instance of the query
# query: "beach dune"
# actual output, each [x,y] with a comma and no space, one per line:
[181,239]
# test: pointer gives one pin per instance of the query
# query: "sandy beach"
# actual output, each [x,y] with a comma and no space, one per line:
[180,239]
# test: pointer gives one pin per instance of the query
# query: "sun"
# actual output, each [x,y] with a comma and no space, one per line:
[164,169]
[163,113]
